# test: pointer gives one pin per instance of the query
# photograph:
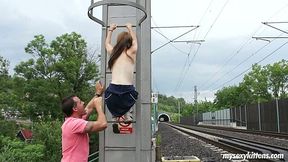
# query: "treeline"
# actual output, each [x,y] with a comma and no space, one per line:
[172,105]
[58,68]
[261,84]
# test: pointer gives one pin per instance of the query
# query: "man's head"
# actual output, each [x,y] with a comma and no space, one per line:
[73,105]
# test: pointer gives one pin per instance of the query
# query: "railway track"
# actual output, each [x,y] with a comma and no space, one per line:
[261,133]
[236,145]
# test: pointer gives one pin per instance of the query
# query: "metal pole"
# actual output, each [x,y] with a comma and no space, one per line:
[240,115]
[156,115]
[266,23]
[235,120]
[277,114]
[246,116]
[143,85]
[259,115]
[179,112]
[195,102]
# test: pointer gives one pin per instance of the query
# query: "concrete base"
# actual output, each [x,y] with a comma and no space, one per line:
[180,159]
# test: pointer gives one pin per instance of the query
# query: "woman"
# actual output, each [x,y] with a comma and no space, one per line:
[121,95]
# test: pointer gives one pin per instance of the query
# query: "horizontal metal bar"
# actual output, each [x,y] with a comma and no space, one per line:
[191,41]
[191,26]
[120,148]
[268,37]
[97,152]
[127,122]
[174,39]
[112,17]
[279,22]
[94,159]
[110,72]
[276,28]
[114,3]
[120,26]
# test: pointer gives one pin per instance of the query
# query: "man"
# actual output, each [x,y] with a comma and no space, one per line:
[75,129]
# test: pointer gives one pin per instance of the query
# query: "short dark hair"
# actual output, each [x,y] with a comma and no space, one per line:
[67,105]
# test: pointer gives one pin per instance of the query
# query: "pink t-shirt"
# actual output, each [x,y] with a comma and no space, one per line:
[75,142]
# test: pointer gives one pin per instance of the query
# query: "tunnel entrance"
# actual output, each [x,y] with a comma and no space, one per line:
[164,118]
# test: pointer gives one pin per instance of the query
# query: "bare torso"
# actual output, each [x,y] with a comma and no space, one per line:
[123,69]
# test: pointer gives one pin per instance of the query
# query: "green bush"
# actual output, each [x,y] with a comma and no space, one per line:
[49,134]
[8,128]
[14,150]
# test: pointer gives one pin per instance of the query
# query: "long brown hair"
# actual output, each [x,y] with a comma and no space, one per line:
[124,41]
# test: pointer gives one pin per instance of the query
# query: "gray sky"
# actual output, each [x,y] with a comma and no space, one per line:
[227,26]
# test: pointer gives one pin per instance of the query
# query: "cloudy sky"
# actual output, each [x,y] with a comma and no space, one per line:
[225,26]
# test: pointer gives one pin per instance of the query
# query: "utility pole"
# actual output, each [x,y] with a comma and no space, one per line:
[179,113]
[195,98]
[195,102]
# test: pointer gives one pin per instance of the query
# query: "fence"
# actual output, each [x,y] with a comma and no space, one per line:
[270,116]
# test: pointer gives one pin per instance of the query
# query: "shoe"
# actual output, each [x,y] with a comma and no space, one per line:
[129,116]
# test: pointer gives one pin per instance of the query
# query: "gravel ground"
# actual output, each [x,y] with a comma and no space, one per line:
[174,143]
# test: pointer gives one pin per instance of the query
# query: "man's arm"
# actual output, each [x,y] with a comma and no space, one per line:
[108,45]
[133,48]
[101,122]
[88,109]
[90,106]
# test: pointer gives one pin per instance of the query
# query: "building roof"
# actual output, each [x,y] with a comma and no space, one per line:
[27,134]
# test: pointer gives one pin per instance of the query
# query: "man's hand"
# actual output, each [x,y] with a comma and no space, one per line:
[99,89]
[93,102]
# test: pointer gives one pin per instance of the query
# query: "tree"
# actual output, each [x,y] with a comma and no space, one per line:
[4,64]
[245,93]
[278,78]
[57,69]
[257,82]
[227,97]
[7,95]
[167,104]
[205,106]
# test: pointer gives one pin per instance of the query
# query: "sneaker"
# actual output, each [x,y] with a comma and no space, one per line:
[129,116]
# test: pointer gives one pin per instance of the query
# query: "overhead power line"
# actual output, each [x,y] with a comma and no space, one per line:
[235,67]
[262,38]
[174,39]
[251,67]
[183,76]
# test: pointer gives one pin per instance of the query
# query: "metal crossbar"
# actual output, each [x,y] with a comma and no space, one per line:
[114,3]
[94,154]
